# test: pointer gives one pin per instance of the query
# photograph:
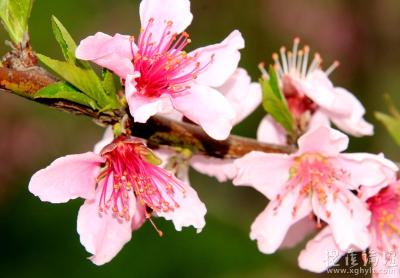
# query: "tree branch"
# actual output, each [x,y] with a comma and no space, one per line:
[158,130]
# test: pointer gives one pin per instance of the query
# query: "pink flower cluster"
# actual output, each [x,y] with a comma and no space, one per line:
[352,197]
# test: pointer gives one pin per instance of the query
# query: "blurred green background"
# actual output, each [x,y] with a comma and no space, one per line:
[40,240]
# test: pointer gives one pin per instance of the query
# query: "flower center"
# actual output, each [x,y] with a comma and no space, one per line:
[313,175]
[385,222]
[294,66]
[165,68]
[133,177]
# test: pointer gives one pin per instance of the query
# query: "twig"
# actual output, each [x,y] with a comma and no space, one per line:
[158,130]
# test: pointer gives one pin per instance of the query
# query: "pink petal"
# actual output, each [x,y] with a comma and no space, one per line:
[67,178]
[108,137]
[347,216]
[368,170]
[191,210]
[320,89]
[385,264]
[298,232]
[142,107]
[243,95]
[354,123]
[269,131]
[114,53]
[320,253]
[163,11]
[208,108]
[319,118]
[103,234]
[324,140]
[226,58]
[266,172]
[272,225]
[221,169]
[139,217]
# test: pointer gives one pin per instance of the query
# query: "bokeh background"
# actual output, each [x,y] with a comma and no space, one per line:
[40,240]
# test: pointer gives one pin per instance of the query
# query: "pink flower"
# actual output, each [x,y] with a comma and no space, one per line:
[317,179]
[384,230]
[121,189]
[160,77]
[308,91]
[244,96]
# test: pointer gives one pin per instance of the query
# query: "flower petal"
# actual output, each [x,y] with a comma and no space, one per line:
[67,178]
[208,108]
[164,11]
[221,169]
[108,137]
[243,95]
[385,264]
[141,107]
[368,170]
[354,123]
[320,253]
[319,118]
[347,216]
[224,59]
[269,131]
[320,90]
[139,217]
[272,225]
[298,232]
[266,172]
[191,210]
[324,140]
[114,53]
[103,234]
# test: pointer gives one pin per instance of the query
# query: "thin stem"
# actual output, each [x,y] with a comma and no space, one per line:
[158,131]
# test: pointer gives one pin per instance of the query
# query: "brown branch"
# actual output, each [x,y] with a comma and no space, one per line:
[158,130]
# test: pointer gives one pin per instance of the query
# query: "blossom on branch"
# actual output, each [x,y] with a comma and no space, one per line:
[384,231]
[160,76]
[309,92]
[121,188]
[318,179]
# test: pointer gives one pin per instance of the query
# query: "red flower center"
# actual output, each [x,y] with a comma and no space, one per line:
[131,176]
[165,68]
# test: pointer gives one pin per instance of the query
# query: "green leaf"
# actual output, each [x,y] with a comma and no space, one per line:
[14,15]
[391,123]
[62,90]
[64,39]
[274,102]
[84,79]
[391,106]
[108,83]
[273,82]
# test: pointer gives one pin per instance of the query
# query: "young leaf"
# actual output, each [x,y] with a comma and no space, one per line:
[273,82]
[108,83]
[64,39]
[391,123]
[84,79]
[15,14]
[275,103]
[62,90]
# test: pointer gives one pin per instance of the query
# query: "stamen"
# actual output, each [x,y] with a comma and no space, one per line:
[305,61]
[165,68]
[329,70]
[284,60]
[315,63]
[296,43]
[159,232]
[264,73]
